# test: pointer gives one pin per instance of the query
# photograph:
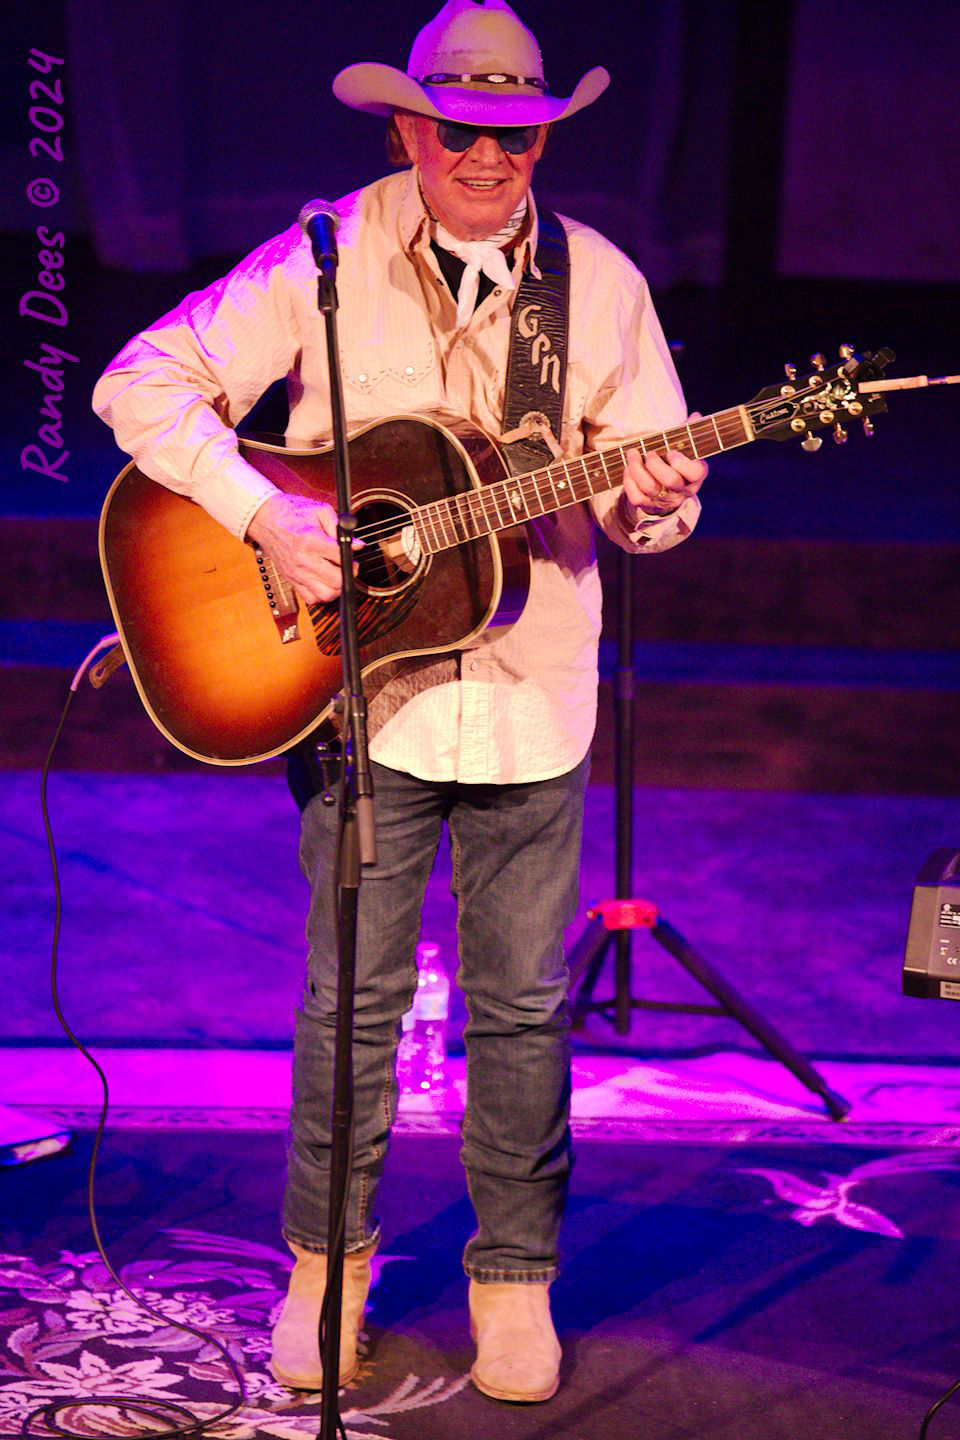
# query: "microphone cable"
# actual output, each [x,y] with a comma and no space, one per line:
[174,1419]
[947,1395]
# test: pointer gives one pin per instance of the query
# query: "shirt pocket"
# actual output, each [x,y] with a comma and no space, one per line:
[396,375]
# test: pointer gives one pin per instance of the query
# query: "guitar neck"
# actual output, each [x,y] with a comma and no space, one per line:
[443,524]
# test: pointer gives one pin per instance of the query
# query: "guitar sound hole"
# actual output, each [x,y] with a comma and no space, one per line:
[391,557]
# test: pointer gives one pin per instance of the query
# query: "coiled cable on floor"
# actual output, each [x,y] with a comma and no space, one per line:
[158,1411]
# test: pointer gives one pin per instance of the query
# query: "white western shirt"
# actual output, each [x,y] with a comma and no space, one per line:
[519,704]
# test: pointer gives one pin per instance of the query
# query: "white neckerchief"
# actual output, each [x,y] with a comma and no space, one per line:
[481,257]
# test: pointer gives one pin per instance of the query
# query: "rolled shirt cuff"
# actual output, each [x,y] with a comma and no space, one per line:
[658,531]
[234,494]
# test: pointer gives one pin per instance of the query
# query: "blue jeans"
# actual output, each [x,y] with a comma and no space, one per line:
[516,866]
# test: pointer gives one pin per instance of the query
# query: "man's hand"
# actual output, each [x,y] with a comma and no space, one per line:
[299,535]
[653,485]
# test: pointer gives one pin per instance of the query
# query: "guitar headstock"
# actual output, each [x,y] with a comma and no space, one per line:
[828,398]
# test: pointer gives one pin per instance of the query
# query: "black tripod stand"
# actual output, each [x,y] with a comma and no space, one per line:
[612,922]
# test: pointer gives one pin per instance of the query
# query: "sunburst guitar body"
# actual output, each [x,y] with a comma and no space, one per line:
[231,666]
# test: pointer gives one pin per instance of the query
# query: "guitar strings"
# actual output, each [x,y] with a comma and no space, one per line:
[591,466]
[448,509]
[469,506]
[594,464]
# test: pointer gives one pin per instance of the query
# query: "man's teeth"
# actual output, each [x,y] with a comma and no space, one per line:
[482,184]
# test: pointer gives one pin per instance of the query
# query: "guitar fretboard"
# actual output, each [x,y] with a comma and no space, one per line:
[442,524]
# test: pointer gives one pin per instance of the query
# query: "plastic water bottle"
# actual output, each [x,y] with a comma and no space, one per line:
[422,1054]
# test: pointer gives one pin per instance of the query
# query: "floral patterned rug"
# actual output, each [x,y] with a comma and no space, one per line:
[69,1332]
[740,1292]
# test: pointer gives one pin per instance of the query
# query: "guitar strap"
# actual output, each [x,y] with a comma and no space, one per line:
[537,361]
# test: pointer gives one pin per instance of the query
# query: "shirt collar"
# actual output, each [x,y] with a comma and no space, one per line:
[415,230]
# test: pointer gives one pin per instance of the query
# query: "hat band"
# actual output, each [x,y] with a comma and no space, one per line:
[496,79]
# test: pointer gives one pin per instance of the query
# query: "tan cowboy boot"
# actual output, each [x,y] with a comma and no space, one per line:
[295,1358]
[518,1353]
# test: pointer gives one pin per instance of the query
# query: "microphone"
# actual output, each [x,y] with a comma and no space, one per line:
[320,221]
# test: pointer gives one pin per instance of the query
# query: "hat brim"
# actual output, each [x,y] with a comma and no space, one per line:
[382,89]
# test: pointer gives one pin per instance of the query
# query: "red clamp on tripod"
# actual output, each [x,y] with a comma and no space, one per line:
[614,920]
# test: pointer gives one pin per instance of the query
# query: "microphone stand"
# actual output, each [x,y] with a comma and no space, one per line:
[356,847]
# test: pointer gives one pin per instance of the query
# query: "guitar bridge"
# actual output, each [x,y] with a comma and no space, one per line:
[281,598]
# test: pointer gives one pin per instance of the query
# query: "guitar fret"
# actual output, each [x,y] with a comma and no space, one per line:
[716,431]
[500,494]
[525,492]
[484,496]
[447,523]
[460,518]
[573,483]
[432,511]
[450,516]
[464,514]
[514,497]
[436,512]
[599,478]
[693,443]
[606,470]
[431,514]
[562,489]
[585,478]
[535,484]
[478,513]
[420,533]
[456,519]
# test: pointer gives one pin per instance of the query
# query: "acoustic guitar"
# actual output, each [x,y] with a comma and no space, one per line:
[233,667]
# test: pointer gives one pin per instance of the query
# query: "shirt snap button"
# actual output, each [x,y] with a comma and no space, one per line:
[408,369]
[474,664]
[363,379]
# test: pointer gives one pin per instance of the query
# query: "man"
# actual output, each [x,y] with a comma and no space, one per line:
[494,740]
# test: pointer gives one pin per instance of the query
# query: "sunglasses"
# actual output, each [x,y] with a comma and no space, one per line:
[515,140]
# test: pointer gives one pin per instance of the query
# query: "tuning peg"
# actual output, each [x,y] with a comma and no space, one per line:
[818,361]
[811,443]
[790,371]
[868,427]
[839,434]
[847,352]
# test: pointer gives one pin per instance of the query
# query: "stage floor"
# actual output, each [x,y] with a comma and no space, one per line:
[736,1289]
[183,913]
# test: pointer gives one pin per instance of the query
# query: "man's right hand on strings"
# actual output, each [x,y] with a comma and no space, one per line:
[300,536]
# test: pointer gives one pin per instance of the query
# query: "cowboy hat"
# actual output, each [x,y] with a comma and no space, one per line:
[474,63]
